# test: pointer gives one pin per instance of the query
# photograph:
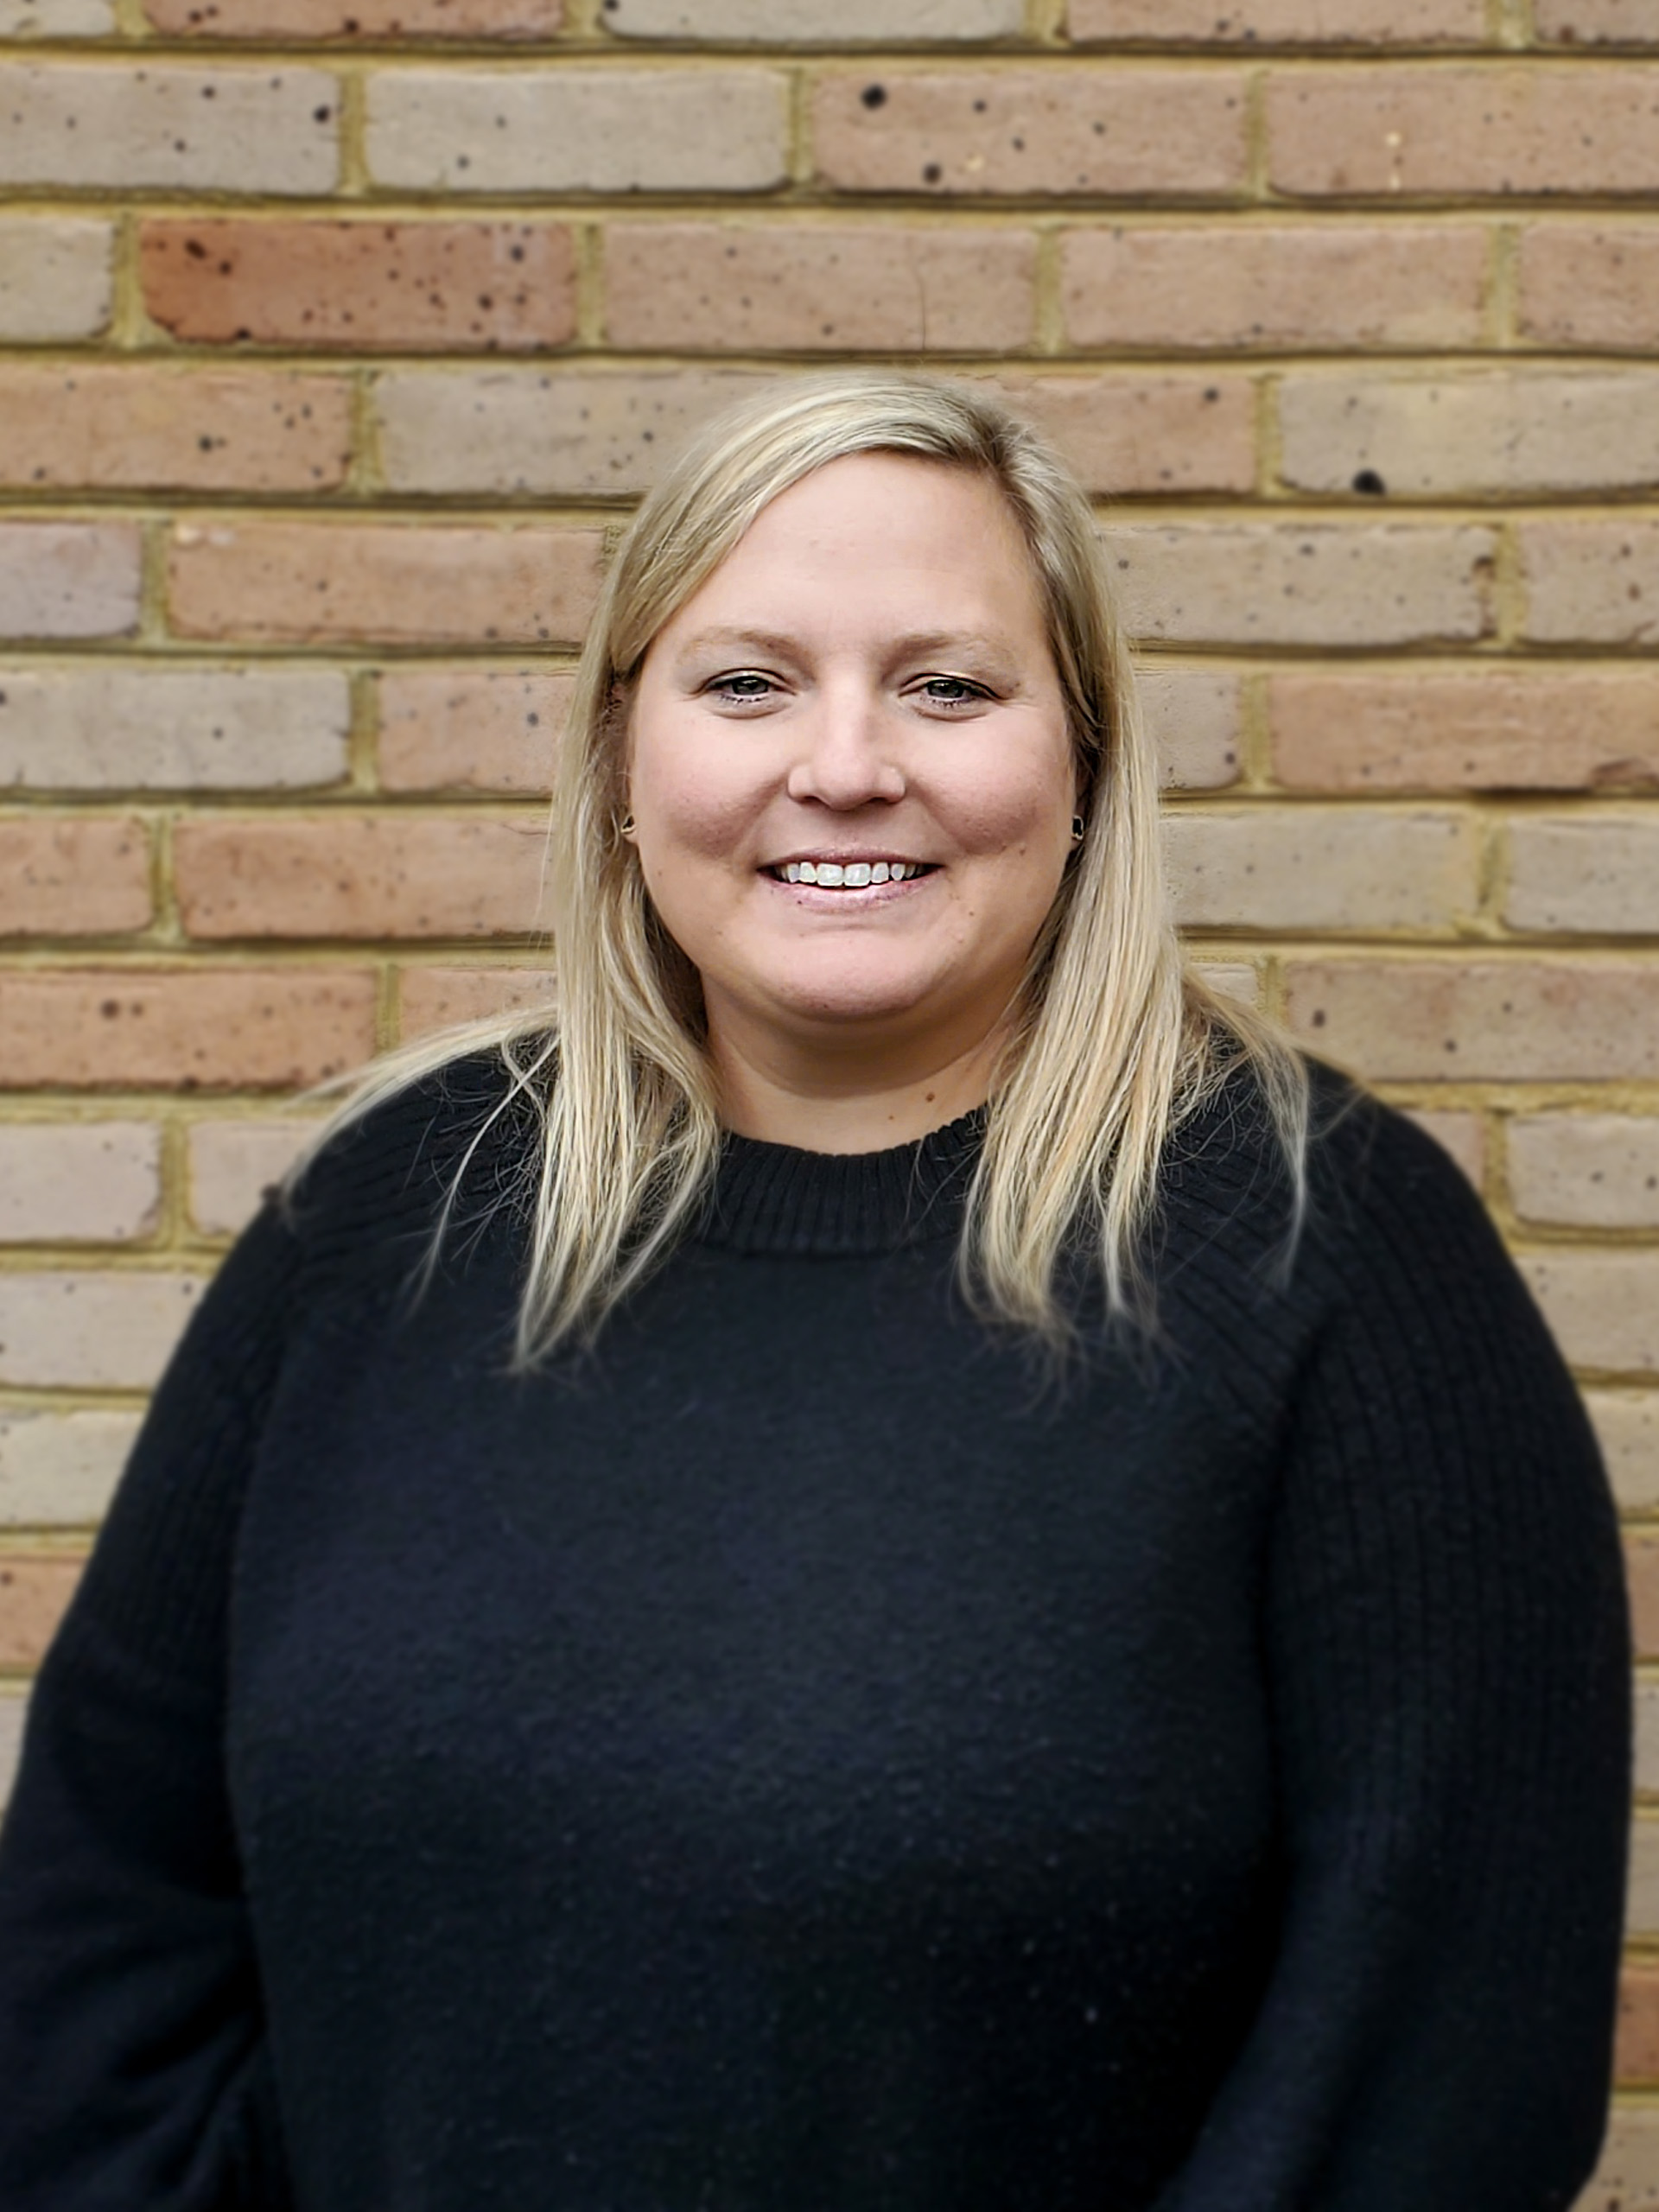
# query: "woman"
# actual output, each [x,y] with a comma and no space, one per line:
[857,1577]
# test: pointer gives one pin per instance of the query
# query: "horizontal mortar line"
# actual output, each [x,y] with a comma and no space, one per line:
[470,58]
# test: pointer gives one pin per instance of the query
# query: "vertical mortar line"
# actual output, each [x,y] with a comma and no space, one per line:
[1521,26]
[586,19]
[1269,437]
[1503,319]
[173,1227]
[129,326]
[1045,24]
[1254,734]
[155,531]
[1494,876]
[350,93]
[590,286]
[1508,587]
[130,20]
[387,1006]
[166,929]
[363,733]
[365,476]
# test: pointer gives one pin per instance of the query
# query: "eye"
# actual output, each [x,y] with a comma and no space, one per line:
[742,687]
[951,691]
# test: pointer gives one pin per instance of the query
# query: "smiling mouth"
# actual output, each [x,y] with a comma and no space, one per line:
[848,875]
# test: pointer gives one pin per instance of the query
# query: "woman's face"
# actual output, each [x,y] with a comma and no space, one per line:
[862,692]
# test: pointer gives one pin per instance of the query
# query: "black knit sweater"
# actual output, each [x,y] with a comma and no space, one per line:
[790,1763]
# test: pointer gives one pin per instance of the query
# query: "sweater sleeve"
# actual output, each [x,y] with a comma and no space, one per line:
[1448,1651]
[131,2041]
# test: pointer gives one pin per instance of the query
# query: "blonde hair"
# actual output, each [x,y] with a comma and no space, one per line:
[1114,1041]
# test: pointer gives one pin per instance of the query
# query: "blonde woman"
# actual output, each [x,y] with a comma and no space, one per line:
[868,1572]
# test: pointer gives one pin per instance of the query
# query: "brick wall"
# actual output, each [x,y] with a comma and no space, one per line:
[336,337]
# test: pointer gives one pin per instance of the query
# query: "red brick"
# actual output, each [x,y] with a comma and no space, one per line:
[214,1029]
[65,876]
[815,23]
[1597,23]
[1277,287]
[1590,284]
[147,428]
[1499,129]
[1494,729]
[1501,1021]
[730,288]
[453,729]
[1279,22]
[34,1595]
[438,998]
[1037,132]
[1158,436]
[363,286]
[304,583]
[373,876]
[1637,2050]
[303,23]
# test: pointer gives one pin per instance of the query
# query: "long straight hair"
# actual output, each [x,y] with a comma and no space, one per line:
[1113,1043]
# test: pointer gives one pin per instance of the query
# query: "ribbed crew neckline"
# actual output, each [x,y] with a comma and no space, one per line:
[775,1198]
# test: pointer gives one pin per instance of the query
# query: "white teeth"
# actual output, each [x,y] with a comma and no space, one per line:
[852,876]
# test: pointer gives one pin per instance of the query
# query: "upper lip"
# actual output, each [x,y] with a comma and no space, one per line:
[871,853]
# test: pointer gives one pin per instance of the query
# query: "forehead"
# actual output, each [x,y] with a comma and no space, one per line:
[877,539]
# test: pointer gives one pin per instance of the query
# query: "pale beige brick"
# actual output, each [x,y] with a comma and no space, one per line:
[1273,287]
[1647,1779]
[61,876]
[1642,1888]
[454,729]
[1602,1307]
[79,1182]
[1234,979]
[56,281]
[299,582]
[1593,1171]
[1492,129]
[56,19]
[34,1594]
[565,130]
[1193,715]
[68,1329]
[1595,874]
[1302,584]
[13,1707]
[1463,1135]
[1591,583]
[1511,432]
[124,126]
[98,726]
[233,1164]
[1324,868]
[212,1029]
[140,427]
[1159,435]
[1597,23]
[730,288]
[1028,132]
[575,433]
[359,286]
[1487,1020]
[439,998]
[1283,22]
[1585,284]
[58,1470]
[1493,729]
[361,876]
[1627,1428]
[69,579]
[356,21]
[816,22]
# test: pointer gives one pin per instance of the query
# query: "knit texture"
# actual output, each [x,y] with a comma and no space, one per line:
[790,1757]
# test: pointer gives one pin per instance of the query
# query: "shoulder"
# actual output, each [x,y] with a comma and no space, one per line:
[402,1158]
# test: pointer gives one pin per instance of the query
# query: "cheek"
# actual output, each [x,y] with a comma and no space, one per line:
[1012,804]
[691,800]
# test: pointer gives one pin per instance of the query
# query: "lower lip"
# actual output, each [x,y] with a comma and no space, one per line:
[819,901]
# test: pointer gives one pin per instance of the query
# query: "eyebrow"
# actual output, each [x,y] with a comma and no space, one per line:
[915,641]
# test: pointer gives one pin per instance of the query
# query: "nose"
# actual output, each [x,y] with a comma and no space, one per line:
[846,759]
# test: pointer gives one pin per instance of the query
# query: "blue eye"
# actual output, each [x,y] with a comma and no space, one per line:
[744,685]
[953,691]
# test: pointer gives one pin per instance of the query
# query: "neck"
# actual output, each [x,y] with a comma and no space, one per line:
[846,1103]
